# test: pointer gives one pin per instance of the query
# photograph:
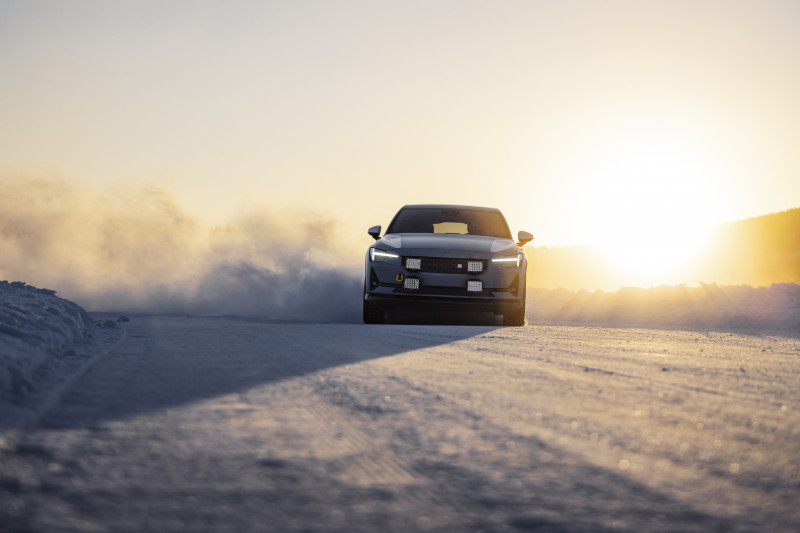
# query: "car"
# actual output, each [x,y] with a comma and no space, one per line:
[444,258]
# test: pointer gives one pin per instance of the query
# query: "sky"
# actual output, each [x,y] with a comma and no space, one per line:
[603,122]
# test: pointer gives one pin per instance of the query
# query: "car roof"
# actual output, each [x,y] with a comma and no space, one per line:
[448,206]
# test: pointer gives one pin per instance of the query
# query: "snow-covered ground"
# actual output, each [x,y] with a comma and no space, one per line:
[215,424]
[44,340]
[229,424]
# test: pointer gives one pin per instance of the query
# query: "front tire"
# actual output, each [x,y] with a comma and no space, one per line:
[514,318]
[372,314]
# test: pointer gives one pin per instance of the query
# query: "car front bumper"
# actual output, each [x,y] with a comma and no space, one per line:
[502,289]
[443,303]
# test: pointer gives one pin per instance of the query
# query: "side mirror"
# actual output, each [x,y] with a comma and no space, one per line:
[524,238]
[375,232]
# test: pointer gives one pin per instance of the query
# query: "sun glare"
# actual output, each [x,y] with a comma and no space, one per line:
[652,200]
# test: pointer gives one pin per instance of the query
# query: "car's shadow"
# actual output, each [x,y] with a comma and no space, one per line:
[169,361]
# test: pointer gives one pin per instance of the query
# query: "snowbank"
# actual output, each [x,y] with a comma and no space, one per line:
[44,339]
[773,309]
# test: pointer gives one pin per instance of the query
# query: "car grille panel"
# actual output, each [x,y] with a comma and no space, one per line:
[448,265]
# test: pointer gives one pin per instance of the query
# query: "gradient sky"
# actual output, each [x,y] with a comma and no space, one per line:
[579,119]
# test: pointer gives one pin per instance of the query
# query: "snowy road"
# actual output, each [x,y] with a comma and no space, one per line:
[221,424]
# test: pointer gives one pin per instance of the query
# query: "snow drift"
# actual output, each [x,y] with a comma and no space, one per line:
[43,340]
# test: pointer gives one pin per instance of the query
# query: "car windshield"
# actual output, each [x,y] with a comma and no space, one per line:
[463,221]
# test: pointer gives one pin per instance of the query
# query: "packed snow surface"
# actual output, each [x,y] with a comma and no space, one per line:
[207,423]
[45,339]
[215,424]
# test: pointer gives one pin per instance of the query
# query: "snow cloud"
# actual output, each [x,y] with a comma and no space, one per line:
[134,248]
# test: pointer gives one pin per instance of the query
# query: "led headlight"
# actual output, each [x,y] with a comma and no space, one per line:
[411,284]
[474,286]
[509,261]
[378,255]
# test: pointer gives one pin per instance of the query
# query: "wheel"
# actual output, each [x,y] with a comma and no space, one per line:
[514,318]
[372,314]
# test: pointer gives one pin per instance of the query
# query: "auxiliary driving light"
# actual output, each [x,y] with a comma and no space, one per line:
[413,263]
[411,283]
[474,286]
[474,266]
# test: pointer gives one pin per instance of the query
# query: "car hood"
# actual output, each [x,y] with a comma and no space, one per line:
[447,241]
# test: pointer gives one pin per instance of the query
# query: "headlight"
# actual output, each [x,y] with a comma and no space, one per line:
[378,255]
[508,261]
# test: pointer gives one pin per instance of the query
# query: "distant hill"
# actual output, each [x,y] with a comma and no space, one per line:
[756,251]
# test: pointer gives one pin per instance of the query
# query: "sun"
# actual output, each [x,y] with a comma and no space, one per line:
[652,196]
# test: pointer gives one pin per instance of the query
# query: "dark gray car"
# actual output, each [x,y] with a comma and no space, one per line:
[446,257]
